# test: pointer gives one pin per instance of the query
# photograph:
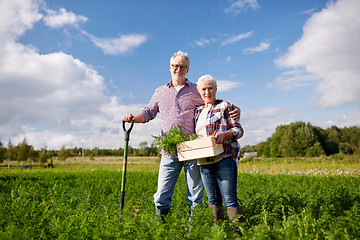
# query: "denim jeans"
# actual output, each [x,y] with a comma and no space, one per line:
[220,180]
[169,171]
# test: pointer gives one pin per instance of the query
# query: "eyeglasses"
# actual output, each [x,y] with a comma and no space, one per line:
[175,66]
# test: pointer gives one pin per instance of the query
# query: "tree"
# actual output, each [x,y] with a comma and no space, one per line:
[351,136]
[300,139]
[134,152]
[315,151]
[334,134]
[293,140]
[287,146]
[43,157]
[10,153]
[2,152]
[275,141]
[144,150]
[347,148]
[33,154]
[95,152]
[63,154]
[330,146]
[305,138]
[263,148]
[23,153]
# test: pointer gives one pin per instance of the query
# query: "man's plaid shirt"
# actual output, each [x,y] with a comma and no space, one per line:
[218,119]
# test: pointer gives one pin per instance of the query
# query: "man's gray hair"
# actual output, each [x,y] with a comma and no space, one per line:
[208,78]
[183,55]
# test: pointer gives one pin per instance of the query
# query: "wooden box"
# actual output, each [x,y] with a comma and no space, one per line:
[199,148]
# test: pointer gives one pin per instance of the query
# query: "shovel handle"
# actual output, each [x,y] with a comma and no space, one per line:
[127,131]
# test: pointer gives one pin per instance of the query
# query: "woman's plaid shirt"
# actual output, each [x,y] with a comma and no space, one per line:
[218,119]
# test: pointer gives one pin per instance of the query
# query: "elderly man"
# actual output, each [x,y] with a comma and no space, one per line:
[176,102]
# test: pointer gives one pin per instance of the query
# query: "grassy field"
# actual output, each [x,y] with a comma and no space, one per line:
[79,164]
[323,166]
[79,199]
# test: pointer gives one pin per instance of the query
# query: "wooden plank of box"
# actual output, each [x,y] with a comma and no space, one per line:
[199,148]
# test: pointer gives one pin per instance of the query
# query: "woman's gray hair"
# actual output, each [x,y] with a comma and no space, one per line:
[183,55]
[208,78]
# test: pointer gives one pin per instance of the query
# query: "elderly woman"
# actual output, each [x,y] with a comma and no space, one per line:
[219,174]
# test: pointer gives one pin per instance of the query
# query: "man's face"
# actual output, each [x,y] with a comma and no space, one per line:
[179,69]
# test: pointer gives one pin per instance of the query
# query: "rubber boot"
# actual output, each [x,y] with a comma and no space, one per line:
[218,212]
[236,214]
[161,213]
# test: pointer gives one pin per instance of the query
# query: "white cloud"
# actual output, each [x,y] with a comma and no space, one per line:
[54,99]
[57,19]
[124,44]
[204,41]
[17,17]
[259,124]
[264,45]
[239,6]
[51,89]
[226,41]
[328,49]
[102,130]
[225,85]
[308,12]
[121,45]
[348,120]
[294,79]
[234,39]
[47,139]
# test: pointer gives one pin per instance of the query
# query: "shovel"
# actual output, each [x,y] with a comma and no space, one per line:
[127,137]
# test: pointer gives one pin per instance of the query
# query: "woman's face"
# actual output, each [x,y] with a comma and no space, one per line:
[207,91]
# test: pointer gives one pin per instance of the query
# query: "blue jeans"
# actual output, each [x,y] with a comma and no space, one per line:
[220,180]
[169,171]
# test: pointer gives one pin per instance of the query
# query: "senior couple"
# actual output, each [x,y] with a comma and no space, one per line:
[196,108]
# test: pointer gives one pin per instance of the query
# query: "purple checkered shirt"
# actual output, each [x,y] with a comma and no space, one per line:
[175,108]
[218,119]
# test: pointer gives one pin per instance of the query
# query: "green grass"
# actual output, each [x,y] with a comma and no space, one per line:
[78,164]
[82,202]
[323,166]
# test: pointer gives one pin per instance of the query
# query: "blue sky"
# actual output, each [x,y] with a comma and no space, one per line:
[69,70]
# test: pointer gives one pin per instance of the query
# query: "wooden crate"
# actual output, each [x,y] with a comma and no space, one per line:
[199,148]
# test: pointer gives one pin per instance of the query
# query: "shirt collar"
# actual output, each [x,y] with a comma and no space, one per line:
[214,103]
[169,84]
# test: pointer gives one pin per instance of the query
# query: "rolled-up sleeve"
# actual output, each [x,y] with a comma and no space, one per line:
[151,110]
[235,126]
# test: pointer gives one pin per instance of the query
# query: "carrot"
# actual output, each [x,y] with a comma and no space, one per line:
[214,133]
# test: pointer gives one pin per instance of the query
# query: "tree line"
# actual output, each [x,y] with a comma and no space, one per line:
[292,140]
[23,152]
[299,139]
